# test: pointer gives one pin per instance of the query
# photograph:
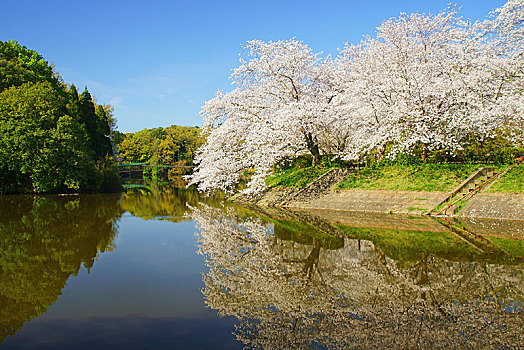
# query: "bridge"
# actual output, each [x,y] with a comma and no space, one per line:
[135,171]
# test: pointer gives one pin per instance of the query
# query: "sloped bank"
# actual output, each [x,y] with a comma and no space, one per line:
[506,206]
[321,195]
[397,202]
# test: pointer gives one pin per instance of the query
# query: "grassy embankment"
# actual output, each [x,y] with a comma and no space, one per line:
[420,177]
[295,177]
[511,182]
[398,177]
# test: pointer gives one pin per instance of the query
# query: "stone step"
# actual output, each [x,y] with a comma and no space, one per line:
[466,188]
[320,186]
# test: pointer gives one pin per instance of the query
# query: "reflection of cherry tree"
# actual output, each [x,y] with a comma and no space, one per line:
[290,295]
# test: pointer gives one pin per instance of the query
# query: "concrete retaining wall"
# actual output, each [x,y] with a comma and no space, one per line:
[402,202]
[495,206]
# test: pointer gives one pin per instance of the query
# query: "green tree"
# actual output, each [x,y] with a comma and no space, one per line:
[104,121]
[167,146]
[89,118]
[19,65]
[141,146]
[173,146]
[40,146]
[52,138]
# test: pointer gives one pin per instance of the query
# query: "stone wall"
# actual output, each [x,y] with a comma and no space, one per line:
[509,206]
[403,202]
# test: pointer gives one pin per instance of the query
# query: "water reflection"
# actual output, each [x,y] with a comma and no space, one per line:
[44,240]
[292,279]
[298,285]
[134,297]
[165,203]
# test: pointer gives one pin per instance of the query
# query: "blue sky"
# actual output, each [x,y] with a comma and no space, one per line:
[157,62]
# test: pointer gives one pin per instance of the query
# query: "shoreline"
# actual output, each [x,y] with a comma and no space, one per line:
[491,206]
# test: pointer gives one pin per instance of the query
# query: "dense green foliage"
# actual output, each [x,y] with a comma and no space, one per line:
[51,138]
[492,150]
[19,65]
[399,177]
[172,146]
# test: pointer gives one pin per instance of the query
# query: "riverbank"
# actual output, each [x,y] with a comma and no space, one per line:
[507,206]
[370,191]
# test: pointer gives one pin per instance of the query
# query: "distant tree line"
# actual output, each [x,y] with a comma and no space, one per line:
[52,138]
[172,146]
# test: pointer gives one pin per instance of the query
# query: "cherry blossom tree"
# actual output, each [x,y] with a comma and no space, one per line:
[423,83]
[429,81]
[502,40]
[278,109]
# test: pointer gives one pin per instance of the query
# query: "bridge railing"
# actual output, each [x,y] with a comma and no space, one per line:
[153,165]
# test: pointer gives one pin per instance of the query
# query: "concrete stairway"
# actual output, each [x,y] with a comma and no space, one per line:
[456,200]
[319,186]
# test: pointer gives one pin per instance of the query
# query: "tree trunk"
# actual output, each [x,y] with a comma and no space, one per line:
[422,271]
[424,152]
[312,146]
[312,259]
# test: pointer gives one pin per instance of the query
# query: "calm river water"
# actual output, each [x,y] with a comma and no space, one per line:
[158,269]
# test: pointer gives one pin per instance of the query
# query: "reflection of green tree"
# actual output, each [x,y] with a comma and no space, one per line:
[303,233]
[294,295]
[44,240]
[168,203]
